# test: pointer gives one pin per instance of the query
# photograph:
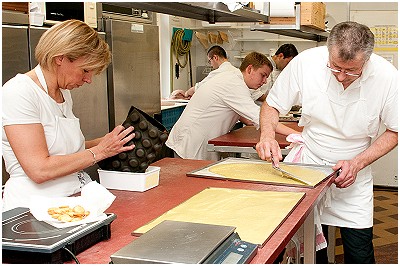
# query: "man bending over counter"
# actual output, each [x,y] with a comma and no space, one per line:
[214,109]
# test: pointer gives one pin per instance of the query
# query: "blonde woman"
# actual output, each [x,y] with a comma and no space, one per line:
[43,147]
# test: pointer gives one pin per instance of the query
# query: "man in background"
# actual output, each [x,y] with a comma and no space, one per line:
[213,110]
[218,60]
[282,57]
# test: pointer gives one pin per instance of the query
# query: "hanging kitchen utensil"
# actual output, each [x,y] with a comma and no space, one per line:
[219,39]
[212,38]
[202,39]
[223,36]
[150,136]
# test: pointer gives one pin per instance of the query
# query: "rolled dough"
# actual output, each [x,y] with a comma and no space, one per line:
[262,172]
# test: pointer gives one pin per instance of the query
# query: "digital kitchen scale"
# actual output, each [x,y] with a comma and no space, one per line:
[27,240]
[189,243]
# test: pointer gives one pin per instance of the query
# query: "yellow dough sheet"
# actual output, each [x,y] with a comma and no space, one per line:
[262,172]
[255,214]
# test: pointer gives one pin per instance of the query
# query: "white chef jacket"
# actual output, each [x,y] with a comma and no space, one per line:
[24,102]
[225,66]
[211,112]
[339,124]
[255,94]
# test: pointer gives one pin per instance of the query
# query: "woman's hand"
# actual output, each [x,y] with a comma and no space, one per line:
[113,143]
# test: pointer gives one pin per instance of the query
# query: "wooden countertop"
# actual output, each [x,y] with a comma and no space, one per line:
[249,136]
[135,209]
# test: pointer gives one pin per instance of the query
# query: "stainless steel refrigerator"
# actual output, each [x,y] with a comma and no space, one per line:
[133,77]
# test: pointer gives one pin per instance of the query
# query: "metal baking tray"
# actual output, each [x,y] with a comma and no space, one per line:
[205,173]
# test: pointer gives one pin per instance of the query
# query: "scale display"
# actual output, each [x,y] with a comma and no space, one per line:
[233,251]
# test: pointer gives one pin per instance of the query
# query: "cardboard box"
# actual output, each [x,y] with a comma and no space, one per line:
[312,14]
[130,181]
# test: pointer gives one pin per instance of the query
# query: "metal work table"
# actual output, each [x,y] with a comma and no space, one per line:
[135,209]
[243,140]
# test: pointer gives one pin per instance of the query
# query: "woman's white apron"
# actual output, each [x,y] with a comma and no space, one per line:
[68,139]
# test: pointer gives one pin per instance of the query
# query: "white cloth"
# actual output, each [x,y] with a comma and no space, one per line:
[225,66]
[339,124]
[211,112]
[24,102]
[297,142]
[264,89]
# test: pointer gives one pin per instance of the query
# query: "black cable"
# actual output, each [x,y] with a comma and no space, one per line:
[72,255]
[180,47]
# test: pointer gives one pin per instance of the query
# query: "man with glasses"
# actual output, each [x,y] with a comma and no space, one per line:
[218,60]
[346,92]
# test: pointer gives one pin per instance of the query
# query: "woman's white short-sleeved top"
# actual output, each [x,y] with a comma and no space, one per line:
[24,102]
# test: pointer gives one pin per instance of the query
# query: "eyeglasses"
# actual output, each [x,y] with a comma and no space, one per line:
[345,72]
[209,60]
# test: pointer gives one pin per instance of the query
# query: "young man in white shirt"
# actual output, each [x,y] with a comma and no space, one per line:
[215,108]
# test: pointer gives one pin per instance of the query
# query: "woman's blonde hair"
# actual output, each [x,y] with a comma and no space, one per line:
[73,39]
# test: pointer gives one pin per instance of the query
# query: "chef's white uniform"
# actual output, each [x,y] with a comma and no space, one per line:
[255,94]
[211,112]
[339,124]
[225,66]
[24,102]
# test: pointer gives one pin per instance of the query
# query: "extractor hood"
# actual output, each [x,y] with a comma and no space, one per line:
[205,11]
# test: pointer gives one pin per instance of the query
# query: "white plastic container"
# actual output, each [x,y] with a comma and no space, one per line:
[130,181]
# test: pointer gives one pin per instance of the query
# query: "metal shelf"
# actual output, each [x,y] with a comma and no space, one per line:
[218,12]
[205,11]
[295,30]
[271,40]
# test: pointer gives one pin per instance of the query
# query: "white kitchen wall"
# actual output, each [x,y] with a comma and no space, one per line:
[243,41]
[166,24]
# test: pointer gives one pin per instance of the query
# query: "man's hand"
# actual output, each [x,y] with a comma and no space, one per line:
[177,95]
[348,174]
[267,148]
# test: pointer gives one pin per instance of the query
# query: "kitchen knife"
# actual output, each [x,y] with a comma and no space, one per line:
[289,175]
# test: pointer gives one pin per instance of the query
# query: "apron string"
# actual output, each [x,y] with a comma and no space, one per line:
[39,74]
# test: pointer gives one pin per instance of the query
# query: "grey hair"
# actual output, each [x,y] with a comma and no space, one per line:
[351,38]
